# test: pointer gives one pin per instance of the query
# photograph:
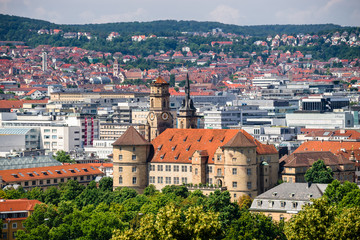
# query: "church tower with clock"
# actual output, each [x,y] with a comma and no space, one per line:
[160,117]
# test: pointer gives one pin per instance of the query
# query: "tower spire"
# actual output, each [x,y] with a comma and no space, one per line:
[187,113]
[187,90]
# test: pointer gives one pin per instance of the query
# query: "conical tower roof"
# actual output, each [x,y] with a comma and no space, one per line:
[131,137]
[240,140]
[160,80]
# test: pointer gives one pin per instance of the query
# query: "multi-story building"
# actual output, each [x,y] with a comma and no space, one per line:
[112,131]
[100,148]
[224,117]
[48,176]
[272,134]
[228,158]
[76,96]
[18,139]
[286,199]
[13,213]
[294,166]
[320,120]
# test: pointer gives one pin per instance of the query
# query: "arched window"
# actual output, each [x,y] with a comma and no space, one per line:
[152,103]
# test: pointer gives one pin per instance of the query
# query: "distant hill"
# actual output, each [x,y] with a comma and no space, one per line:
[21,28]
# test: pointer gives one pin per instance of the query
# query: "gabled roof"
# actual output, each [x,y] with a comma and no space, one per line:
[9,205]
[294,191]
[239,140]
[131,137]
[306,159]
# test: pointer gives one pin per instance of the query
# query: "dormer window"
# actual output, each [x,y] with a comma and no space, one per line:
[274,194]
[222,140]
[292,195]
[185,139]
[211,139]
[45,173]
[159,147]
[199,139]
[177,157]
[15,175]
[171,138]
[173,148]
[188,148]
[162,156]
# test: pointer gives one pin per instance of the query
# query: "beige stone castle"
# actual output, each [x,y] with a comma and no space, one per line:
[210,158]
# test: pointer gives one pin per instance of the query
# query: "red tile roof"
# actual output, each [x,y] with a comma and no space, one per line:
[306,159]
[43,173]
[8,205]
[178,145]
[131,137]
[8,104]
[160,80]
[333,146]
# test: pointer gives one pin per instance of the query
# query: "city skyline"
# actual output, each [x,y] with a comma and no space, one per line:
[342,12]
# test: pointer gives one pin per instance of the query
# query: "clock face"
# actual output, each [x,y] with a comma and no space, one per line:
[152,116]
[165,116]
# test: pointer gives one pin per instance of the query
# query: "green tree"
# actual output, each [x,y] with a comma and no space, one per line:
[61,156]
[335,192]
[323,220]
[312,222]
[71,190]
[255,226]
[52,195]
[106,184]
[168,223]
[319,173]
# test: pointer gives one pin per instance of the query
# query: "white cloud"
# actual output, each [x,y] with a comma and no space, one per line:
[4,4]
[52,16]
[225,14]
[136,15]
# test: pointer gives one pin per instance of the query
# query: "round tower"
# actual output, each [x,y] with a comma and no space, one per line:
[130,154]
[240,173]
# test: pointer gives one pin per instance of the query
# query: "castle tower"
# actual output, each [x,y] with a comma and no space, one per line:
[130,155]
[160,117]
[187,114]
[240,168]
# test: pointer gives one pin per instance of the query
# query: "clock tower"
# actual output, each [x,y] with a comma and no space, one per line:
[160,117]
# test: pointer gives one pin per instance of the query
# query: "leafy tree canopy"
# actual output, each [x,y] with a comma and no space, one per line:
[319,173]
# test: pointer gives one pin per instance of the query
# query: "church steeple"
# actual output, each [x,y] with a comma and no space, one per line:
[187,114]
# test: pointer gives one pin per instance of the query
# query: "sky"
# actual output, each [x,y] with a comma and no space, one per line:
[239,12]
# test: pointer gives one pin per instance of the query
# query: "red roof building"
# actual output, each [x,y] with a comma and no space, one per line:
[45,177]
[14,212]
